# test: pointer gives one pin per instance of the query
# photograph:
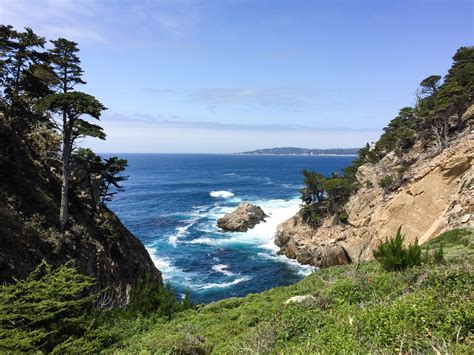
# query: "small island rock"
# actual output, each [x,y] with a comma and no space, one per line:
[245,217]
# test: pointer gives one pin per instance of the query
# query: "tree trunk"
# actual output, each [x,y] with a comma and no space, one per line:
[66,155]
[446,131]
[437,135]
[459,120]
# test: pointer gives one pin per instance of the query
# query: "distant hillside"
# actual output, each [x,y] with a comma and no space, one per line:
[302,151]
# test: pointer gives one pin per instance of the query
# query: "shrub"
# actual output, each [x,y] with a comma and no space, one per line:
[387,182]
[45,310]
[435,258]
[393,256]
[438,256]
[156,297]
[343,217]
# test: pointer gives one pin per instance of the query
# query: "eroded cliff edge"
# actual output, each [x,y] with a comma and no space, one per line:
[436,194]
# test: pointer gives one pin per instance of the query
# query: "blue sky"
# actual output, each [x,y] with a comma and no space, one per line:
[225,76]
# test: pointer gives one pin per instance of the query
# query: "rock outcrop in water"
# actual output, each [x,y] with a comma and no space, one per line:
[436,194]
[245,217]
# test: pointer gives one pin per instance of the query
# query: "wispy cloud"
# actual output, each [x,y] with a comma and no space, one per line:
[109,22]
[54,18]
[179,122]
[268,97]
[149,134]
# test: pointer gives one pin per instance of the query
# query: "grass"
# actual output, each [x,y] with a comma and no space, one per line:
[458,245]
[428,308]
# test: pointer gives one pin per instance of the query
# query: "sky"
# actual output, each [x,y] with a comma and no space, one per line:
[227,76]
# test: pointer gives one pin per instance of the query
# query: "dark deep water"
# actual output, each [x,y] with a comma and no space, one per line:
[172,202]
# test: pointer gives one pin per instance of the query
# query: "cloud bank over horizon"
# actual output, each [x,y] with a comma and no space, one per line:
[158,135]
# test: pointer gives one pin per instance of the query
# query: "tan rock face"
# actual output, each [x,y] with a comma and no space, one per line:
[245,217]
[437,195]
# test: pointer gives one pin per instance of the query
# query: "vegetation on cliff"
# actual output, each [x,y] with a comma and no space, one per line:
[435,121]
[53,194]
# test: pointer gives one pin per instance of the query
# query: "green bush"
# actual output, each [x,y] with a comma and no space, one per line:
[393,256]
[438,256]
[47,310]
[343,217]
[387,182]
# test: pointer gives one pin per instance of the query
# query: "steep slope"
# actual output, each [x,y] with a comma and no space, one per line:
[436,193]
[97,243]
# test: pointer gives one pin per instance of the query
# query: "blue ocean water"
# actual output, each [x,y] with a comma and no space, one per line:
[172,201]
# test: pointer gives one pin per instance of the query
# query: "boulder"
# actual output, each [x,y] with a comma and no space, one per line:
[300,299]
[244,217]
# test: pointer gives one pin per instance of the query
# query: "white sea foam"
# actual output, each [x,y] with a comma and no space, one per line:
[181,232]
[221,194]
[303,270]
[262,235]
[223,284]
[169,271]
[204,240]
[222,268]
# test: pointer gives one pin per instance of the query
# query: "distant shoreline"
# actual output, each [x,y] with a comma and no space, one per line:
[296,155]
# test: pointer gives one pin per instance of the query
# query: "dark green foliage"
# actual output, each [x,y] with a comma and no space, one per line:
[65,64]
[430,120]
[338,190]
[313,191]
[343,217]
[429,86]
[46,309]
[112,168]
[387,182]
[155,297]
[52,310]
[322,196]
[75,104]
[393,256]
[94,177]
[438,256]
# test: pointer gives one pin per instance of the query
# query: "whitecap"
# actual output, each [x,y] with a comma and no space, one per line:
[221,194]
[168,270]
[204,240]
[222,269]
[181,232]
[223,284]
[303,270]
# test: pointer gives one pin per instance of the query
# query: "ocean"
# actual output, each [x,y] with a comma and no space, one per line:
[171,203]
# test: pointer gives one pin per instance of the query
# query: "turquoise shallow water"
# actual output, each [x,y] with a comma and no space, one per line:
[172,201]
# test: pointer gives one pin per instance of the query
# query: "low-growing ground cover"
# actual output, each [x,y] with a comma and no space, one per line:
[427,308]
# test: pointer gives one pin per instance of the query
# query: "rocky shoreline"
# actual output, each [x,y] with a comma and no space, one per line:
[437,194]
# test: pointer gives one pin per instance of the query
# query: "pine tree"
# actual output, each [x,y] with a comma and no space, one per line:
[70,106]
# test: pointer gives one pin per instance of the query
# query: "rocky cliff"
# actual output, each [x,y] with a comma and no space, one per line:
[96,243]
[435,193]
